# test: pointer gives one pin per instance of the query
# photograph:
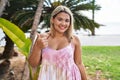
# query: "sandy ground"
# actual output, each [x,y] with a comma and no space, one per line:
[16,68]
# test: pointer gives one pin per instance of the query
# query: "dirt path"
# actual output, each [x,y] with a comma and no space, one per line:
[15,70]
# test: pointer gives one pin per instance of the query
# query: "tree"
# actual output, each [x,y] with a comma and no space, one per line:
[93,15]
[76,6]
[18,37]
[22,15]
[9,47]
[33,31]
[37,18]
[12,12]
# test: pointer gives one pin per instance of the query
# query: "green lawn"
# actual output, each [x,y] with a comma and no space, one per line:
[105,59]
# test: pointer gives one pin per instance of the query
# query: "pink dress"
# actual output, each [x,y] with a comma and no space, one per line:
[59,64]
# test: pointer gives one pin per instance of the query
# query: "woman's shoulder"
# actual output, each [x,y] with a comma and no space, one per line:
[76,40]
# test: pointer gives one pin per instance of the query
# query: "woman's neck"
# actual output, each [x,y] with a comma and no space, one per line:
[59,35]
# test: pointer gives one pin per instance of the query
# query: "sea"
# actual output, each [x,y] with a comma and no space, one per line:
[108,29]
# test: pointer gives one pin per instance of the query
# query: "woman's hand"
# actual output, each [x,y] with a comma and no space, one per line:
[42,40]
[39,43]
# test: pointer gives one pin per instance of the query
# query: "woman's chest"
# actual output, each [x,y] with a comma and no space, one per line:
[57,44]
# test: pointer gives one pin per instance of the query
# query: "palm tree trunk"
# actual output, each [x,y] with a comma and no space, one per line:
[36,19]
[8,49]
[93,31]
[93,16]
[38,13]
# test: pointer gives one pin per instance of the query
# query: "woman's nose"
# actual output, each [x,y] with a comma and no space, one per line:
[63,23]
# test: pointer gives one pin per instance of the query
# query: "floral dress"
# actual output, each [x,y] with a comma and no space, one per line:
[59,64]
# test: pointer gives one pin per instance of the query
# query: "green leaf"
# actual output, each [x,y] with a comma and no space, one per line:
[16,35]
[26,48]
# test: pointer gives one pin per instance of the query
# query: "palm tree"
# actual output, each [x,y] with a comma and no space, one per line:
[76,7]
[21,13]
[10,43]
[24,18]
[93,15]
[19,16]
[33,31]
[37,18]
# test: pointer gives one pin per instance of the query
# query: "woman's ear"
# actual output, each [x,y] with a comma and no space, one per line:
[51,20]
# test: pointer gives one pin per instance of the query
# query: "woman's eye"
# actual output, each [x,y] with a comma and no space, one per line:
[67,20]
[60,19]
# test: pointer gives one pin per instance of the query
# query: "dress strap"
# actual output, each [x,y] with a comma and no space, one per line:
[72,43]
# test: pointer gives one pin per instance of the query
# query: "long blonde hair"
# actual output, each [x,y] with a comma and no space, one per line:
[56,11]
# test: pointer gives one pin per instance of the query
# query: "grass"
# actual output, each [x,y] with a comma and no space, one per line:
[103,58]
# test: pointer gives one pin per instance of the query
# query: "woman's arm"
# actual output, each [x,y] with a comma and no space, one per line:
[78,58]
[35,55]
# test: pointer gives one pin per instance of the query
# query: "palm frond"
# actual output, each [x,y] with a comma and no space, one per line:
[80,21]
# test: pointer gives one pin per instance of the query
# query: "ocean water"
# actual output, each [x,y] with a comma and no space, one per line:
[108,29]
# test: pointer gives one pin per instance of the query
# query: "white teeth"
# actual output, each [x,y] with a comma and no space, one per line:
[62,27]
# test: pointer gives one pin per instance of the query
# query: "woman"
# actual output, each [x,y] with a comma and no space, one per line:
[59,48]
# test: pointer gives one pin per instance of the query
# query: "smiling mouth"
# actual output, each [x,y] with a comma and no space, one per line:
[62,27]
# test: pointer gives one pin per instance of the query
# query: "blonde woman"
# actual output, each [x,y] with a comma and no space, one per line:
[58,51]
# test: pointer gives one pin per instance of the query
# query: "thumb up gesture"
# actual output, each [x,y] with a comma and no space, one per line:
[42,40]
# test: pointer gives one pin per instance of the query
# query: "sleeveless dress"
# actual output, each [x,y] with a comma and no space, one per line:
[59,64]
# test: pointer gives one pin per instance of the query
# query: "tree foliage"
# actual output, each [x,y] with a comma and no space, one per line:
[76,6]
[23,12]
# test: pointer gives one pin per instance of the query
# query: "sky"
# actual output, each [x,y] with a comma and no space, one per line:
[108,15]
[109,11]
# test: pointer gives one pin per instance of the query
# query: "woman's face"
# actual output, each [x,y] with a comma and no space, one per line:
[61,22]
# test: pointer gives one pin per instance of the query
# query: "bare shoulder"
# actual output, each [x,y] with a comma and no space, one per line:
[76,40]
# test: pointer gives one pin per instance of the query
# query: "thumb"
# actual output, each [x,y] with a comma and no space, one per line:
[44,35]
